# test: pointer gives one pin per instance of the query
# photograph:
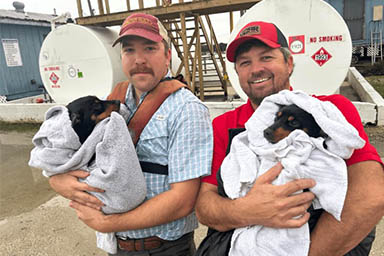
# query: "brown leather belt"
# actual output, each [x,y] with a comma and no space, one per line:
[144,244]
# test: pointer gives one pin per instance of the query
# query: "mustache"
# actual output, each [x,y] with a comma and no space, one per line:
[141,70]
[259,75]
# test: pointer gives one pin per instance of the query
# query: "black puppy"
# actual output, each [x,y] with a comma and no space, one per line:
[289,118]
[86,112]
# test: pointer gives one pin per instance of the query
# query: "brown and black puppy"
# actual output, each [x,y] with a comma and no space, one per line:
[86,112]
[289,118]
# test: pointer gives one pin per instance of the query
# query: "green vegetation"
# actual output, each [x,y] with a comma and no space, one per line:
[374,74]
[377,82]
[19,127]
[376,69]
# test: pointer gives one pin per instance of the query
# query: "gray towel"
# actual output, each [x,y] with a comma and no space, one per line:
[116,169]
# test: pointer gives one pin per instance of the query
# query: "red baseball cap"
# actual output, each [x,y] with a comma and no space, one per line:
[267,33]
[142,25]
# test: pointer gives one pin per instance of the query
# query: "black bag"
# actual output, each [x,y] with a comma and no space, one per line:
[215,243]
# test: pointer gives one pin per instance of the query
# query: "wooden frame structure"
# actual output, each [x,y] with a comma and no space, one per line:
[189,28]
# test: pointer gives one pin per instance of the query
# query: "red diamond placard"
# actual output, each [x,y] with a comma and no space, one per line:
[54,78]
[321,56]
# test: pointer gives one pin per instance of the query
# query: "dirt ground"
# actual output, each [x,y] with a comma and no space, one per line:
[376,135]
[52,228]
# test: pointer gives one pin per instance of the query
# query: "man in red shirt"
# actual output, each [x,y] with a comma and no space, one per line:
[264,64]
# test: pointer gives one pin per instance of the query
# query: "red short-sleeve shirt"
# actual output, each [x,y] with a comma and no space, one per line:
[239,116]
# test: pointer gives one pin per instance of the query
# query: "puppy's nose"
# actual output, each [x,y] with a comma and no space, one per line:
[117,105]
[268,134]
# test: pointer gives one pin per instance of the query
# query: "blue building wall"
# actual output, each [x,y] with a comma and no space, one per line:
[15,82]
[337,4]
[368,17]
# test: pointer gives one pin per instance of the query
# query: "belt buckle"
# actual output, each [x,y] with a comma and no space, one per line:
[124,247]
[118,244]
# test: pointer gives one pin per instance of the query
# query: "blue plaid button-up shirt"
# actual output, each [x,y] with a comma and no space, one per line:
[178,135]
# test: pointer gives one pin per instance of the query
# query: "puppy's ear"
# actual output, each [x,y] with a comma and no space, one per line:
[75,118]
[280,106]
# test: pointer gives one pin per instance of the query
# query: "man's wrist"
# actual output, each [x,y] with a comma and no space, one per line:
[236,213]
[110,223]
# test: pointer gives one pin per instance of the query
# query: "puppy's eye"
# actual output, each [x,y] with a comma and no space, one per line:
[294,123]
[97,109]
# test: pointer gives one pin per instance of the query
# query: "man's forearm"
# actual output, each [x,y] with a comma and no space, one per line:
[163,208]
[215,211]
[334,238]
[363,209]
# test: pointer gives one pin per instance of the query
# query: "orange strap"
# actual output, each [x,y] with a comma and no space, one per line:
[148,106]
[119,92]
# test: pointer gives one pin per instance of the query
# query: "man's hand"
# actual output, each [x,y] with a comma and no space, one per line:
[68,185]
[265,204]
[90,216]
[275,205]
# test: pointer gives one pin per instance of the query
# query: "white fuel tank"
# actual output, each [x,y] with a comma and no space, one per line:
[77,61]
[318,38]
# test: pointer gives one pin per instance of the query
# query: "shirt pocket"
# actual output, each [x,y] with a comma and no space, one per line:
[153,142]
[156,128]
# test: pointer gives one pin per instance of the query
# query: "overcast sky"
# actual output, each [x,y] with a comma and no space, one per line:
[220,21]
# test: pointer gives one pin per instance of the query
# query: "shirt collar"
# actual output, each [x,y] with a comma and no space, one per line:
[246,112]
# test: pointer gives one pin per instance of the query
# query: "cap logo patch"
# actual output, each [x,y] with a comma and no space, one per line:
[253,30]
[137,20]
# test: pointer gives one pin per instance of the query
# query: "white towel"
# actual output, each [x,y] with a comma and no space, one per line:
[116,168]
[302,156]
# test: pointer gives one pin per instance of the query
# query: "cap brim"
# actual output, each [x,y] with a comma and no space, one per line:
[140,33]
[232,47]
